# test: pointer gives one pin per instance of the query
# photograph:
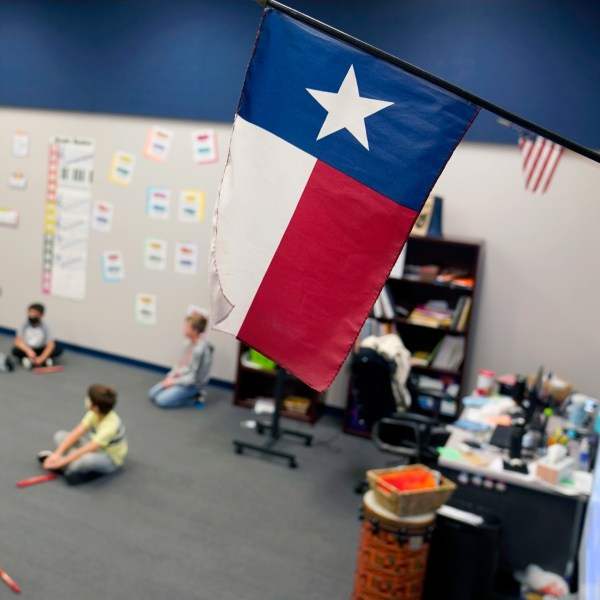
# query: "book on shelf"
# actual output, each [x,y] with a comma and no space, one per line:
[449,274]
[373,327]
[463,319]
[424,273]
[458,309]
[450,353]
[431,314]
[463,282]
[420,358]
[386,301]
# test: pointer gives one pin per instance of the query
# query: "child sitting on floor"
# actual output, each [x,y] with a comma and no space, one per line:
[185,382]
[97,445]
[34,345]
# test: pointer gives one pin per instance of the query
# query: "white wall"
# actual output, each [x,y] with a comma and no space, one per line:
[104,320]
[540,266]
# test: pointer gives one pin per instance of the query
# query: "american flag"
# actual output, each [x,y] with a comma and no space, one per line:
[540,158]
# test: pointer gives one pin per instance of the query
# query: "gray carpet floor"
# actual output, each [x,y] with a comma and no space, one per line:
[187,517]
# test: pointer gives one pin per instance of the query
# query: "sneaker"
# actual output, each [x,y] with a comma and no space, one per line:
[49,362]
[27,364]
[43,455]
[199,400]
[75,477]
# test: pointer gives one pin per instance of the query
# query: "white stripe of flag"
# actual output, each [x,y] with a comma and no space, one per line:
[540,158]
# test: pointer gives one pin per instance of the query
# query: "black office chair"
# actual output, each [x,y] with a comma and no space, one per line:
[410,435]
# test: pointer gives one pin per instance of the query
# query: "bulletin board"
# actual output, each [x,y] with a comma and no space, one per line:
[106,220]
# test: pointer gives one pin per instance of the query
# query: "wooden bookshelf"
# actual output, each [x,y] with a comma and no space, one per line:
[253,382]
[409,292]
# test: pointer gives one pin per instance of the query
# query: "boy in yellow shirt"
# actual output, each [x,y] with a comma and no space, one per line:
[95,447]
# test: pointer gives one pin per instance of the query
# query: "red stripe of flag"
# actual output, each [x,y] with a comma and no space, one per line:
[540,158]
[341,242]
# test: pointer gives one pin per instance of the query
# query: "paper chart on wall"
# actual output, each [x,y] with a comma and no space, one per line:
[158,144]
[158,202]
[155,254]
[113,266]
[17,181]
[121,169]
[191,206]
[102,216]
[9,217]
[146,309]
[20,144]
[204,146]
[67,216]
[186,258]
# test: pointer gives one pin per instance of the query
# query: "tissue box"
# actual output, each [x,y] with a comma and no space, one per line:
[554,473]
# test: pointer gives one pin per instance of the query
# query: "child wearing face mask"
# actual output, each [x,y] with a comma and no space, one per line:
[34,345]
[96,446]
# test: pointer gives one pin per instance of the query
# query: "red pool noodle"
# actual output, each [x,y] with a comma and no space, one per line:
[8,580]
[36,479]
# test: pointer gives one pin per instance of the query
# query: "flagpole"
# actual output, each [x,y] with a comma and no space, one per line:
[489,106]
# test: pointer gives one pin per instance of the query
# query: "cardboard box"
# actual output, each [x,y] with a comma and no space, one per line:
[555,473]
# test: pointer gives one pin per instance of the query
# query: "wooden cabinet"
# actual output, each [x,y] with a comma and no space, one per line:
[442,274]
[252,382]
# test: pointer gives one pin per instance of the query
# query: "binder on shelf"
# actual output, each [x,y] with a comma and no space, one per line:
[450,354]
[387,303]
[457,312]
[464,315]
[377,309]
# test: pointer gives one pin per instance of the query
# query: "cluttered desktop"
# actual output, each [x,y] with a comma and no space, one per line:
[525,448]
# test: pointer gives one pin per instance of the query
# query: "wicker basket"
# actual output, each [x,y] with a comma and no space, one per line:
[408,503]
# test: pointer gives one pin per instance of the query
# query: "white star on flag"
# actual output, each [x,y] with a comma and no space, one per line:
[346,109]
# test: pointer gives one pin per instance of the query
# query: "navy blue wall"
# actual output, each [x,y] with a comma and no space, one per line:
[186,58]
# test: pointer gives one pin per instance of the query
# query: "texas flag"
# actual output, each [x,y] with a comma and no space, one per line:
[332,155]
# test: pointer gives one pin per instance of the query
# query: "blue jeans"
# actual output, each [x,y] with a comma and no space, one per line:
[174,396]
[98,462]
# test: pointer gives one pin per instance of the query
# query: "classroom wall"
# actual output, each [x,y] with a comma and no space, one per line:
[186,58]
[540,270]
[182,62]
[105,319]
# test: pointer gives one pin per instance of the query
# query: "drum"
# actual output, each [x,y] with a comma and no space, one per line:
[392,557]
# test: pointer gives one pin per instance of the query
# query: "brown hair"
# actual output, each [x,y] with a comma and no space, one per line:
[103,397]
[198,322]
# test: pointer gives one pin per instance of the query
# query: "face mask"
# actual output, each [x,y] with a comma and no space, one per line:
[34,320]
[88,403]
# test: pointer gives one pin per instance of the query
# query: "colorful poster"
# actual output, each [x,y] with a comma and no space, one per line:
[158,144]
[20,144]
[158,203]
[146,309]
[113,266]
[67,216]
[121,170]
[204,146]
[191,206]
[155,254]
[17,181]
[102,214]
[186,258]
